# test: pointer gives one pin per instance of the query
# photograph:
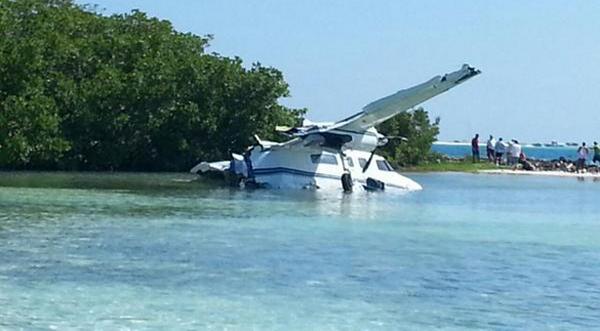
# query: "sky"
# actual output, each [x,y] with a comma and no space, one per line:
[540,60]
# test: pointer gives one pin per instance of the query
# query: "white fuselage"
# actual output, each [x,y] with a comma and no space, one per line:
[334,155]
[319,168]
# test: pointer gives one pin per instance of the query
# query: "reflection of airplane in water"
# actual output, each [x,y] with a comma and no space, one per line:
[336,155]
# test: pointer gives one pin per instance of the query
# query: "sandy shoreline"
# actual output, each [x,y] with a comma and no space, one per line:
[540,173]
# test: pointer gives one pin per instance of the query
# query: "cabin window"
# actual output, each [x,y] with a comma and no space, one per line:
[362,162]
[383,165]
[389,165]
[323,158]
[350,162]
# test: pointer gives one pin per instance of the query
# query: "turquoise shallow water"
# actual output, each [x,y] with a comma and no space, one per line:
[138,251]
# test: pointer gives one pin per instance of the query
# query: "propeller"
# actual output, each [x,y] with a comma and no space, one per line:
[369,160]
[382,142]
[397,137]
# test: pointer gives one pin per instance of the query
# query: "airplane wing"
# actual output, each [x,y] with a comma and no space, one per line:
[379,111]
[383,109]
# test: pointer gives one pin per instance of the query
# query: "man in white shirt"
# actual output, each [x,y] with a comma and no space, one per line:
[500,150]
[516,151]
[491,153]
[510,151]
[582,155]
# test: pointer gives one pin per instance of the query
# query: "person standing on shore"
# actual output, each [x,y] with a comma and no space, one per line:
[582,155]
[490,147]
[475,147]
[500,149]
[516,152]
[510,152]
[596,153]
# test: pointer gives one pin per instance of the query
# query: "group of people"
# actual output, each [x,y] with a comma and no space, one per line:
[500,152]
[583,153]
[511,153]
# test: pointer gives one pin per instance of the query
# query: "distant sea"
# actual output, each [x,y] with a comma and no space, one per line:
[459,150]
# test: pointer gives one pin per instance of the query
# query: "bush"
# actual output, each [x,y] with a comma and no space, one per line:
[419,131]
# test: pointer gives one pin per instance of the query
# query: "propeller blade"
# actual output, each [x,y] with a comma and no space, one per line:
[369,161]
[397,137]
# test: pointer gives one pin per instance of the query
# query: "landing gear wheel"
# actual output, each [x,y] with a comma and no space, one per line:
[347,182]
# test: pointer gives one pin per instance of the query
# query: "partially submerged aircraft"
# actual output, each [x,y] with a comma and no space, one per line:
[336,156]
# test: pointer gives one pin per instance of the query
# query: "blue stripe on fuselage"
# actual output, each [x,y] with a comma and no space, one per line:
[279,170]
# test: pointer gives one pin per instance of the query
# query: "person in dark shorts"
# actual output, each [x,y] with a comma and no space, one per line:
[582,154]
[490,149]
[475,148]
[596,153]
[500,148]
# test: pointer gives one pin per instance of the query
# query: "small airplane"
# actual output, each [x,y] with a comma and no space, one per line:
[332,156]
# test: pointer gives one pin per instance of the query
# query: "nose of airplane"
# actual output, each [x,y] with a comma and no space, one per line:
[411,185]
[406,183]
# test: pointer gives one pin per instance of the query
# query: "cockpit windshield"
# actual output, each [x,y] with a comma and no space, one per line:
[383,165]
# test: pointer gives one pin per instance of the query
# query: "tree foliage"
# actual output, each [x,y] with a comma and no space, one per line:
[419,131]
[79,90]
[83,91]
